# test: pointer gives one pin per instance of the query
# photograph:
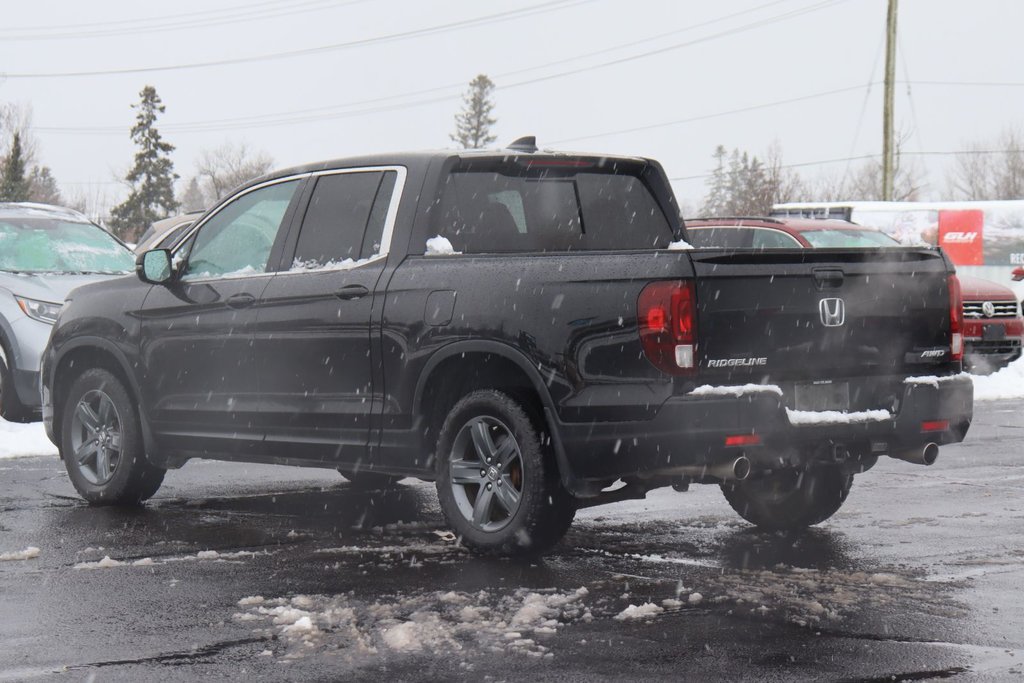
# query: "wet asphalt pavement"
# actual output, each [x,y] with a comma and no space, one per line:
[270,573]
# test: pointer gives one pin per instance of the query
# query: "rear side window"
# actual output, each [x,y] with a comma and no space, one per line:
[490,211]
[766,238]
[344,221]
[849,238]
[720,238]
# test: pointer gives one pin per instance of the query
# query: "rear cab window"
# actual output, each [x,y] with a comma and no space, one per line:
[536,205]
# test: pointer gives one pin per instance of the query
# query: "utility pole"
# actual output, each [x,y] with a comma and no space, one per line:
[888,143]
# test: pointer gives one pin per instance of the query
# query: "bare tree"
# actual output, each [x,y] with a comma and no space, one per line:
[473,123]
[224,168]
[990,169]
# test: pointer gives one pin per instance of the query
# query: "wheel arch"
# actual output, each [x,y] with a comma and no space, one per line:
[96,352]
[495,365]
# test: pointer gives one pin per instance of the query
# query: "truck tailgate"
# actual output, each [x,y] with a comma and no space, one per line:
[789,316]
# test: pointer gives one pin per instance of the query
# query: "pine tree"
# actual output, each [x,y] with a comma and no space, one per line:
[193,200]
[42,186]
[473,123]
[14,187]
[151,178]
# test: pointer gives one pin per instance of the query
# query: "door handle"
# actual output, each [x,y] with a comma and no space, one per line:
[242,300]
[351,292]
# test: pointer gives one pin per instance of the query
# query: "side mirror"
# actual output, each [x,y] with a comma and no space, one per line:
[154,266]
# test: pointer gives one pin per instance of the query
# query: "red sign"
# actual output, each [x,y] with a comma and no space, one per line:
[961,236]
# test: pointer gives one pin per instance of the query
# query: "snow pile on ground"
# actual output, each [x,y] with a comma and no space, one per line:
[21,440]
[29,553]
[834,417]
[439,246]
[435,622]
[1008,383]
[809,597]
[740,390]
[105,563]
[648,610]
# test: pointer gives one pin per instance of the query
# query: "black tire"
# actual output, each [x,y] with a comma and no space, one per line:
[512,503]
[370,481]
[111,433]
[790,499]
[11,407]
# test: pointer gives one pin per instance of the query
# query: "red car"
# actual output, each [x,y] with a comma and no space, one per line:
[992,318]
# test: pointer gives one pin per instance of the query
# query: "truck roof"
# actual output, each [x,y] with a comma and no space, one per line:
[421,159]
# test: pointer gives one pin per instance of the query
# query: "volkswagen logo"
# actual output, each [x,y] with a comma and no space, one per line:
[989,309]
[832,312]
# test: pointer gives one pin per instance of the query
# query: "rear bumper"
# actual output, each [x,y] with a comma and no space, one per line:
[991,354]
[692,430]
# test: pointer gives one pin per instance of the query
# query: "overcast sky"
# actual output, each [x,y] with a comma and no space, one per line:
[377,75]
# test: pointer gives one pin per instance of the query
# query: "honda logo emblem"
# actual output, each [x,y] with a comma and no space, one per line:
[832,311]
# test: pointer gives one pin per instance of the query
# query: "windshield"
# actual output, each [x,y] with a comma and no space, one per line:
[848,238]
[51,245]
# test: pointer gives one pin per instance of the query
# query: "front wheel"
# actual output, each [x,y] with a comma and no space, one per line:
[498,488]
[790,499]
[101,442]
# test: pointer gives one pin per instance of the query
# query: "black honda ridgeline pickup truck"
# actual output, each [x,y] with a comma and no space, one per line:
[527,329]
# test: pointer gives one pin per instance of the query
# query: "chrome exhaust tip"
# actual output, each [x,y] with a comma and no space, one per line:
[737,469]
[927,455]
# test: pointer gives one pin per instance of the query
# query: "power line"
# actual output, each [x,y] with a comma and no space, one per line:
[117,22]
[691,119]
[530,10]
[252,13]
[865,157]
[678,46]
[305,116]
[261,120]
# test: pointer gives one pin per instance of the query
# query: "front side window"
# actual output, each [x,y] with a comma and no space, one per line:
[49,245]
[237,240]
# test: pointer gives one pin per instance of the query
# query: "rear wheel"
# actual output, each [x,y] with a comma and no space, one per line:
[101,442]
[498,488]
[11,407]
[790,499]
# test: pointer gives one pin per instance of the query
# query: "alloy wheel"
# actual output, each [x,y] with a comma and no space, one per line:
[486,473]
[96,437]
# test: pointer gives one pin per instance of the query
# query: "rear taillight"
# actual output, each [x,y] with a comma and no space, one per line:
[667,313]
[956,319]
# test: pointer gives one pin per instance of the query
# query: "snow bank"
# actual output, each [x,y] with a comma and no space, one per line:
[22,440]
[645,611]
[834,417]
[438,622]
[1008,383]
[29,553]
[740,390]
[439,246]
[105,563]
[681,245]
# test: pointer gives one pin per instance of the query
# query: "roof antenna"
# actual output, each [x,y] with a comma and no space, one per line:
[527,143]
